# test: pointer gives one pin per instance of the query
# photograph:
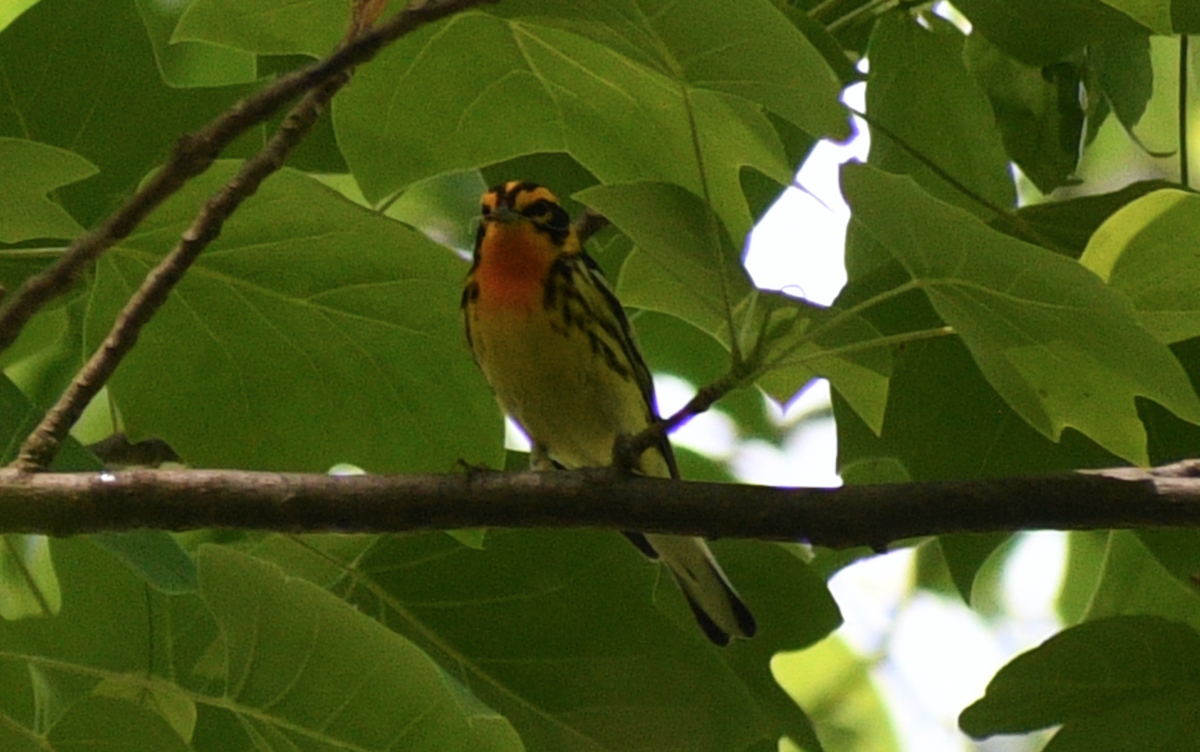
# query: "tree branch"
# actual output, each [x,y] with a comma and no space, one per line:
[195,152]
[73,503]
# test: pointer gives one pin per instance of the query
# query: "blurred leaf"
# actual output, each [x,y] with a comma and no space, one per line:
[305,334]
[1134,581]
[587,623]
[1061,348]
[265,27]
[1086,551]
[848,710]
[32,170]
[965,555]
[920,90]
[186,64]
[1178,551]
[1037,110]
[305,670]
[1147,250]
[28,584]
[1040,33]
[1124,683]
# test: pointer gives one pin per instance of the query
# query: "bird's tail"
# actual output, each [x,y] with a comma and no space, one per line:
[718,608]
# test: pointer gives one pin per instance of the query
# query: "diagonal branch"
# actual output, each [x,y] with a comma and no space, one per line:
[195,152]
[875,515]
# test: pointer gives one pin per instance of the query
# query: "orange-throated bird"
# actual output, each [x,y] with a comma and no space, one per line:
[554,343]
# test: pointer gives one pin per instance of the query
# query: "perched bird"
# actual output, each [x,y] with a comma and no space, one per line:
[557,349]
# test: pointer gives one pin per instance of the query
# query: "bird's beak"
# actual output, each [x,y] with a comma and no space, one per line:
[502,214]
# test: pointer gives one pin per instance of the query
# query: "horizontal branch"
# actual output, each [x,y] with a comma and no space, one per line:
[73,503]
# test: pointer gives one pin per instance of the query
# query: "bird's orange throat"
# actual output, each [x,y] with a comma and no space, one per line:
[513,262]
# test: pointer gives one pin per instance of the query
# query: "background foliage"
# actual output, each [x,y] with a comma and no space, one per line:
[321,328]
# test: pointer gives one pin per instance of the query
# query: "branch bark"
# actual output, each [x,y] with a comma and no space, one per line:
[72,503]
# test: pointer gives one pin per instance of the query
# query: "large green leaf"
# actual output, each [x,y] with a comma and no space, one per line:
[306,671]
[192,63]
[1061,348]
[1129,682]
[1147,251]
[645,104]
[81,75]
[31,170]
[265,27]
[921,92]
[312,332]
[556,629]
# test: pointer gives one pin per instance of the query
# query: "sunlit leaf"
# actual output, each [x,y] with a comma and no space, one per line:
[1061,348]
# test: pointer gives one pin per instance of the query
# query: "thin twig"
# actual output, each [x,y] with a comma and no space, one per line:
[1183,111]
[195,152]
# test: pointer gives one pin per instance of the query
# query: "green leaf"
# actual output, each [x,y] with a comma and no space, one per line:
[684,264]
[1153,14]
[80,75]
[1037,110]
[1040,33]
[100,722]
[1126,76]
[801,342]
[154,556]
[1132,680]
[265,27]
[1070,223]
[32,170]
[305,670]
[1147,252]
[29,586]
[1135,580]
[192,63]
[162,698]
[585,623]
[303,337]
[623,111]
[921,92]
[836,682]
[1061,348]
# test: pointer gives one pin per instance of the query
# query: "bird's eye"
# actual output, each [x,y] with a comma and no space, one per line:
[485,210]
[537,209]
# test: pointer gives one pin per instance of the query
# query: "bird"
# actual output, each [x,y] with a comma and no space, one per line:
[557,349]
